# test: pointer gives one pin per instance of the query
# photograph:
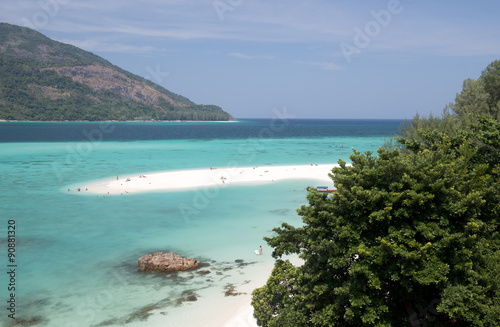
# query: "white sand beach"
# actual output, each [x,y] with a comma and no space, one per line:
[237,311]
[213,176]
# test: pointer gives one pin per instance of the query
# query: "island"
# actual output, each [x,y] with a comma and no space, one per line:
[47,80]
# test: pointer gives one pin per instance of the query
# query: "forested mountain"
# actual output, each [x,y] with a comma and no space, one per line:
[42,79]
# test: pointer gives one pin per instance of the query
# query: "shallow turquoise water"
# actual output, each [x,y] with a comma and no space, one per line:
[77,254]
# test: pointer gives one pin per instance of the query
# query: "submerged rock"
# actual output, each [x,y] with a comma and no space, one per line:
[142,314]
[204,272]
[230,290]
[166,262]
[187,298]
[26,322]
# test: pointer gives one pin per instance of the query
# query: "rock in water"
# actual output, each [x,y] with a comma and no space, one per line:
[166,262]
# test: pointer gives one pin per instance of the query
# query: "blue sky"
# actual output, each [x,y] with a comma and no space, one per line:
[308,58]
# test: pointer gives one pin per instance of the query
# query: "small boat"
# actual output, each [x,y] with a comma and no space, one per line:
[321,189]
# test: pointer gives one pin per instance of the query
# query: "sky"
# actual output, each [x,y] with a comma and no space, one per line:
[294,58]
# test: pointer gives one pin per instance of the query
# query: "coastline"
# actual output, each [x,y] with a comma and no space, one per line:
[242,310]
[237,312]
[99,235]
[180,180]
[118,121]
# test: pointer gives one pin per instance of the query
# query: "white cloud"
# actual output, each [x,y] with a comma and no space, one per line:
[303,23]
[280,21]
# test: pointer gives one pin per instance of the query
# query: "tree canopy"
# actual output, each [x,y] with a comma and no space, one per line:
[411,237]
[408,238]
[491,80]
[480,97]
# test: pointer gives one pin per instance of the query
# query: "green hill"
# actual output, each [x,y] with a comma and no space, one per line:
[45,80]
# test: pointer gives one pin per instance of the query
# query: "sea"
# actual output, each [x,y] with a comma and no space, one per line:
[70,258]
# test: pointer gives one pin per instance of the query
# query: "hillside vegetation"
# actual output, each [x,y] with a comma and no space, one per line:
[45,80]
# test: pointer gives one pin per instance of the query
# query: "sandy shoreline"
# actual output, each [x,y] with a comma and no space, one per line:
[208,177]
[237,313]
[240,313]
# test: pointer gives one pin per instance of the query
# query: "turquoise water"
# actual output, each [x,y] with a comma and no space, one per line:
[77,254]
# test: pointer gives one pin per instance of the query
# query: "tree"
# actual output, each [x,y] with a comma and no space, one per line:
[479,97]
[491,80]
[409,238]
[472,101]
[446,123]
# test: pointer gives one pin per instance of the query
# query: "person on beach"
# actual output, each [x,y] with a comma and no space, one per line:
[260,250]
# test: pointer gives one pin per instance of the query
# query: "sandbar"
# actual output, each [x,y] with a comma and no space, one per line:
[208,177]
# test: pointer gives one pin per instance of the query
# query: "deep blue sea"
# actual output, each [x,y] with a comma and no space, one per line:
[76,254]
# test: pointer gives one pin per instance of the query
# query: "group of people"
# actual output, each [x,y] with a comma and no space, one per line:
[78,189]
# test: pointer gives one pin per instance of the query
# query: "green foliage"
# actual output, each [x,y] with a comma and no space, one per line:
[491,80]
[279,295]
[446,123]
[472,101]
[31,91]
[409,238]
[479,97]
[26,43]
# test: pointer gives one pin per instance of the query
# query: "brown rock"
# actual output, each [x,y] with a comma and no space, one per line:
[166,262]
[204,272]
